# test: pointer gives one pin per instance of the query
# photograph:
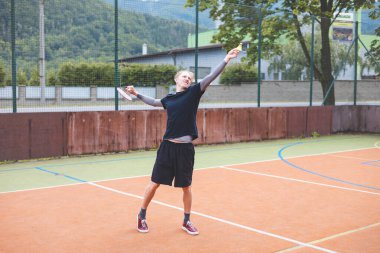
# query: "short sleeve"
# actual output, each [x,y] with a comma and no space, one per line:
[163,102]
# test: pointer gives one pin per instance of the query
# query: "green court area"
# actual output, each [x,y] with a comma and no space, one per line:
[25,175]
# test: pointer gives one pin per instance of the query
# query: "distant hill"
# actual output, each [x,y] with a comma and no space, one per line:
[170,9]
[85,30]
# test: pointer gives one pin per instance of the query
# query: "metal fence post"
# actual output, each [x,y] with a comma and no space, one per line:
[196,39]
[356,60]
[116,55]
[312,60]
[259,59]
[13,45]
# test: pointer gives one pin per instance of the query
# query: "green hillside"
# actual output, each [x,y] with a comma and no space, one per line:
[170,9]
[84,30]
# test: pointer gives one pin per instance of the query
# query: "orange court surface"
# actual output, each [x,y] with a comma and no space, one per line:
[283,196]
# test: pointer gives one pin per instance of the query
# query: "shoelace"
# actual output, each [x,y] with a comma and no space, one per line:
[190,225]
[143,223]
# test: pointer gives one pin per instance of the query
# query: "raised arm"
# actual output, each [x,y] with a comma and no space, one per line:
[146,99]
[211,77]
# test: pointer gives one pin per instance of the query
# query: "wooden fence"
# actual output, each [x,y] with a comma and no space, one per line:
[38,135]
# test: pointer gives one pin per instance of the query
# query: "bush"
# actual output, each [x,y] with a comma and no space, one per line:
[2,74]
[147,75]
[21,77]
[102,74]
[35,77]
[85,74]
[52,78]
[238,73]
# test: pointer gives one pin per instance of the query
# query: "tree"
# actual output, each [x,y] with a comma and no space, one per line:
[373,60]
[291,62]
[280,17]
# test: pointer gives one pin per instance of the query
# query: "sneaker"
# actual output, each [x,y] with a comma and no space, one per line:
[189,228]
[142,227]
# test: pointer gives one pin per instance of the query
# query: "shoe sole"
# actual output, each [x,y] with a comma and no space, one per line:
[189,232]
[141,231]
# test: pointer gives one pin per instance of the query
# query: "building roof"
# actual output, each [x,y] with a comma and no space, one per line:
[172,52]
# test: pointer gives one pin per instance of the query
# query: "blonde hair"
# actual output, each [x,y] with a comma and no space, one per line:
[184,71]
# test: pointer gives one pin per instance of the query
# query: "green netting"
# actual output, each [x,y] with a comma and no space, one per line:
[70,64]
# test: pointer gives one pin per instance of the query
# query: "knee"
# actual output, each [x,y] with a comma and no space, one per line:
[186,189]
[153,186]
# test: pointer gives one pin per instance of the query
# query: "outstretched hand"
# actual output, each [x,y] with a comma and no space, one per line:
[130,89]
[233,53]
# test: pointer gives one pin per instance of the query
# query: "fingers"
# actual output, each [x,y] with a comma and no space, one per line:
[130,89]
[233,53]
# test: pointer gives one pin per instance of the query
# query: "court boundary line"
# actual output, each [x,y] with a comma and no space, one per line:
[205,168]
[373,163]
[350,157]
[348,232]
[298,180]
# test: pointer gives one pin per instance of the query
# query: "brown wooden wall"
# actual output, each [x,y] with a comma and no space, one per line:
[32,135]
[37,135]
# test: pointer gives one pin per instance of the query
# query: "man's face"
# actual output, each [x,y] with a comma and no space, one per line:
[183,81]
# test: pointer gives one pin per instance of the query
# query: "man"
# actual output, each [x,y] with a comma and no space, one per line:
[175,156]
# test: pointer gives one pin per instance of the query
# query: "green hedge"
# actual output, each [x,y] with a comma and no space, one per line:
[238,73]
[2,74]
[147,75]
[102,74]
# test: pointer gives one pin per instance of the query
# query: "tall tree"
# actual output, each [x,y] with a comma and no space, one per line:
[374,53]
[291,63]
[240,18]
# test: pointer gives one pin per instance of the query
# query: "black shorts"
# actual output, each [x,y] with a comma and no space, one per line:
[174,161]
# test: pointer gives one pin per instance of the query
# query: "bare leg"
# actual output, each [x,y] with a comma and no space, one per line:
[187,199]
[150,190]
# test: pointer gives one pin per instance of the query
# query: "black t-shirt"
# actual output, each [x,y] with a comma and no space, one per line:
[182,112]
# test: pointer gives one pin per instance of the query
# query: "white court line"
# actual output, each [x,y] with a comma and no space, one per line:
[332,237]
[217,219]
[349,157]
[299,180]
[300,156]
[212,167]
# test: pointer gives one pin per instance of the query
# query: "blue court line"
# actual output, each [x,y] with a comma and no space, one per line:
[315,173]
[16,169]
[372,163]
[60,174]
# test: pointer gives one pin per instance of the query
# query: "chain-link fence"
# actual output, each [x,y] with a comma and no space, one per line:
[71,55]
